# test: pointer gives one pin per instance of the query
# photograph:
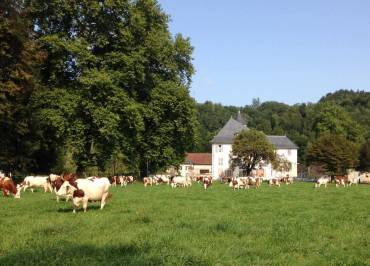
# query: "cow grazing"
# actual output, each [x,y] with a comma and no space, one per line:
[84,190]
[7,186]
[274,182]
[207,182]
[56,185]
[341,181]
[180,181]
[287,180]
[324,180]
[226,179]
[240,182]
[37,182]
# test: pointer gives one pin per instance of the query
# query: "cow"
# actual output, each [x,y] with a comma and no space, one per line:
[286,179]
[225,179]
[240,182]
[323,180]
[8,187]
[341,181]
[207,182]
[254,181]
[274,182]
[85,190]
[56,184]
[178,181]
[364,178]
[148,181]
[162,179]
[115,180]
[35,182]
[128,180]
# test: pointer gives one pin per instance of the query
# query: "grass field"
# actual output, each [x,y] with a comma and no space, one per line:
[293,225]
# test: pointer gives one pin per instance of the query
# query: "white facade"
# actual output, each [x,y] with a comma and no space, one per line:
[221,161]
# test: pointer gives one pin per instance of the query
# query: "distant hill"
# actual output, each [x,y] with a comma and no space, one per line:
[297,121]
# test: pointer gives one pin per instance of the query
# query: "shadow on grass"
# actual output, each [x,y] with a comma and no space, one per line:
[80,209]
[122,254]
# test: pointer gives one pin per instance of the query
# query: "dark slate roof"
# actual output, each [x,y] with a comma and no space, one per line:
[282,142]
[227,133]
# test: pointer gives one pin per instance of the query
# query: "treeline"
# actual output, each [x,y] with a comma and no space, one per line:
[345,113]
[93,87]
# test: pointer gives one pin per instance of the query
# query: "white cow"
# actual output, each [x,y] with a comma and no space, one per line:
[240,182]
[36,182]
[324,180]
[178,181]
[84,190]
[364,178]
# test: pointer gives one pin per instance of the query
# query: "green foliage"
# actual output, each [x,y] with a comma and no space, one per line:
[364,164]
[19,62]
[334,152]
[114,82]
[281,164]
[250,148]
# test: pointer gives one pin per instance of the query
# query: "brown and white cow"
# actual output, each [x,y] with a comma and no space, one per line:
[7,186]
[207,182]
[341,181]
[84,190]
[274,182]
[323,180]
[240,182]
[148,181]
[286,179]
[56,185]
[36,182]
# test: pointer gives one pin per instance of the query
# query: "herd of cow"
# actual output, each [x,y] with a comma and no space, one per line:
[84,190]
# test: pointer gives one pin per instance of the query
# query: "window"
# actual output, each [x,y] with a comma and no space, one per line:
[219,148]
[220,161]
[204,171]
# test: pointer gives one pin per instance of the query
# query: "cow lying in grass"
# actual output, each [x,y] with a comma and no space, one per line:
[84,190]
[8,187]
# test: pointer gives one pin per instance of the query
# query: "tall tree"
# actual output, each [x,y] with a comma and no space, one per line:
[250,148]
[334,152]
[364,159]
[19,61]
[115,81]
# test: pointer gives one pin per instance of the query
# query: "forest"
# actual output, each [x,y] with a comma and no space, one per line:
[102,87]
[344,113]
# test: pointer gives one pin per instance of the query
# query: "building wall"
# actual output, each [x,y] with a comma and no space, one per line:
[221,161]
[191,170]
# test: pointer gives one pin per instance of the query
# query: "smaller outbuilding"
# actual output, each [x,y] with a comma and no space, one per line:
[196,164]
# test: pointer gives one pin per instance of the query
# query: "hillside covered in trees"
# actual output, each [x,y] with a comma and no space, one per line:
[343,112]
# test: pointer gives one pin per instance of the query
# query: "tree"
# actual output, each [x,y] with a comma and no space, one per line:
[250,148]
[331,118]
[334,152]
[115,81]
[19,62]
[281,164]
[364,159]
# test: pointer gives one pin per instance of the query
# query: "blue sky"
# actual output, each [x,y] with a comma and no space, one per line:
[287,51]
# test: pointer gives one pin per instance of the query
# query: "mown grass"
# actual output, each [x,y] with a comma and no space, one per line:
[293,225]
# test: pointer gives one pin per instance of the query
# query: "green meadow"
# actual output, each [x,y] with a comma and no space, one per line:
[291,225]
